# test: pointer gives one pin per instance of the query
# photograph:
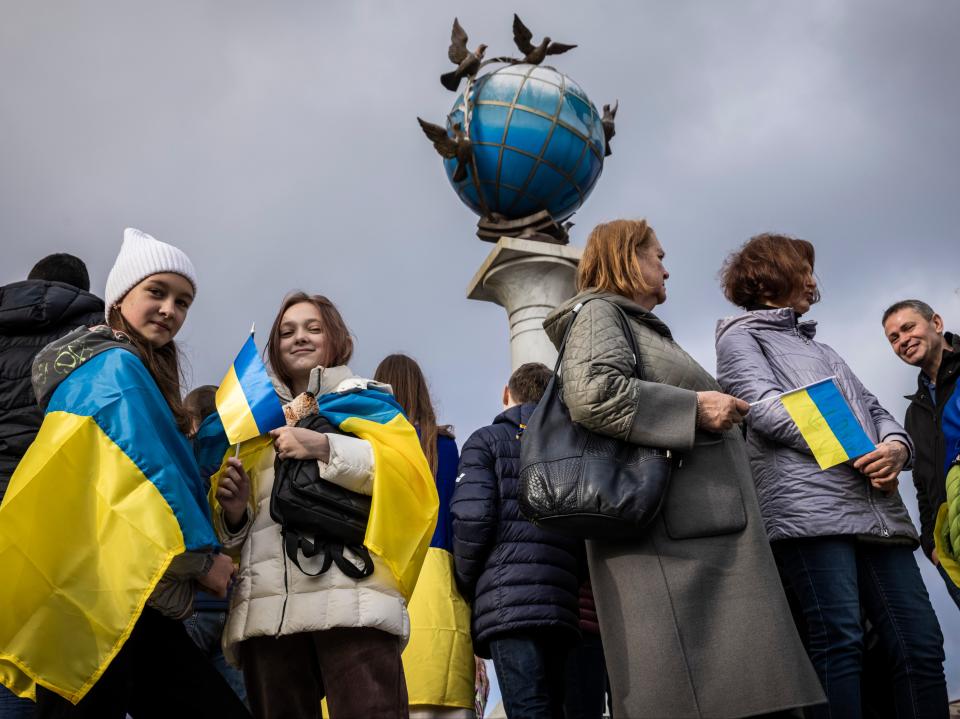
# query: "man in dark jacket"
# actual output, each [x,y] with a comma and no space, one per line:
[522,581]
[53,300]
[915,333]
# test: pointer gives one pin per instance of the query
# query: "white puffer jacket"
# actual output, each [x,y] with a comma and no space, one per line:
[272,596]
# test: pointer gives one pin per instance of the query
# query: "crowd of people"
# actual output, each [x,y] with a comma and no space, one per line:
[764,587]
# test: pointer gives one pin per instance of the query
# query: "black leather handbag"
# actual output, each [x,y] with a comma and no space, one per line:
[318,517]
[577,482]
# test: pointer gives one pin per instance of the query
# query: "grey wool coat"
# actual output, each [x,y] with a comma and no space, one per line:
[692,613]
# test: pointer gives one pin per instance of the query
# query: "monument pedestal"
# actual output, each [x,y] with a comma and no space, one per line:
[528,279]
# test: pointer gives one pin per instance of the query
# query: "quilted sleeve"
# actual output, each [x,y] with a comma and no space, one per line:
[474,509]
[602,394]
[744,372]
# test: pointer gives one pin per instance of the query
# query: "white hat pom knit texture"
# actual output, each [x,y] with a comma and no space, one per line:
[141,256]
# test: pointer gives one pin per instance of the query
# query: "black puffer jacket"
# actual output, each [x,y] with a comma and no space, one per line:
[519,578]
[33,313]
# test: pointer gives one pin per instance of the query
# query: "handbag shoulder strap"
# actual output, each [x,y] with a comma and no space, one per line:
[624,325]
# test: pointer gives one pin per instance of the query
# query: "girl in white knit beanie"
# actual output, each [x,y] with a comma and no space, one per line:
[158,670]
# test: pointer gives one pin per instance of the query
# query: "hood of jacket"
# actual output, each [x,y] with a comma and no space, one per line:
[55,362]
[558,321]
[516,416]
[36,306]
[782,319]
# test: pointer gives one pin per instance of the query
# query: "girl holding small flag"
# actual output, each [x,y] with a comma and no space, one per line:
[105,523]
[301,630]
[841,535]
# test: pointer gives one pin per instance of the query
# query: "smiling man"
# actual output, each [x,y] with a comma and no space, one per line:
[915,333]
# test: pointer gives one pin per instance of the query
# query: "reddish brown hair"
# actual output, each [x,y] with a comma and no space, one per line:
[610,260]
[767,267]
[339,341]
[163,363]
[410,390]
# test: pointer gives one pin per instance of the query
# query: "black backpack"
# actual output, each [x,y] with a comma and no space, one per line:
[317,516]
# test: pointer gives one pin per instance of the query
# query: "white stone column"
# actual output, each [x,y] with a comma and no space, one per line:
[528,279]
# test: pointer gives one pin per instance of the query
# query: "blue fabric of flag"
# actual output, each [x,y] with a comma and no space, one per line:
[258,389]
[840,418]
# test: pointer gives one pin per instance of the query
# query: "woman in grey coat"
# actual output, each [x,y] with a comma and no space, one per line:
[692,614]
[841,536]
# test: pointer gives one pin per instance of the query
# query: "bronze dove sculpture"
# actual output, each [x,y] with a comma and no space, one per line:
[458,146]
[609,129]
[468,63]
[534,55]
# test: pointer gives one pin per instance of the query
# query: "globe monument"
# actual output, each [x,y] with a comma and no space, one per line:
[523,147]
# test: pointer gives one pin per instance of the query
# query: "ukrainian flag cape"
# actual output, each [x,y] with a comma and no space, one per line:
[105,498]
[404,505]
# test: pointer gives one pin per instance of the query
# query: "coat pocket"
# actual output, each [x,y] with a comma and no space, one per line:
[704,498]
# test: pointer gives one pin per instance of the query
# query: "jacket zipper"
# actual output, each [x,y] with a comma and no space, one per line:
[884,530]
[286,588]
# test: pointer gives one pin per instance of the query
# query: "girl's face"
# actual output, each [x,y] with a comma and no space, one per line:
[804,297]
[302,340]
[157,307]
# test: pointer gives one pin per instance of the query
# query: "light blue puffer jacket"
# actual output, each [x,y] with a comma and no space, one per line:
[766,352]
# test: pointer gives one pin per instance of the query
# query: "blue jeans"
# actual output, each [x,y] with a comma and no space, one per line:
[836,581]
[586,680]
[205,629]
[952,588]
[530,670]
[13,707]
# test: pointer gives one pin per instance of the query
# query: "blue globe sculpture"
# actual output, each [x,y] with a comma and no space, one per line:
[537,142]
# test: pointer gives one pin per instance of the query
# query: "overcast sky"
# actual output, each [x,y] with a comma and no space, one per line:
[277,144]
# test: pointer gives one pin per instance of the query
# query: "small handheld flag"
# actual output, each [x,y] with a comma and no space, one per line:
[246,401]
[827,423]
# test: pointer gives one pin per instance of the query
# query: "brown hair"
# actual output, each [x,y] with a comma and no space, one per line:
[767,267]
[339,341]
[410,390]
[610,260]
[201,402]
[163,363]
[529,381]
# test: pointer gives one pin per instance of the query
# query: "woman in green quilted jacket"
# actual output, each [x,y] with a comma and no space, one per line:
[692,613]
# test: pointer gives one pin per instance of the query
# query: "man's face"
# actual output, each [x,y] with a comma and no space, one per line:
[912,337]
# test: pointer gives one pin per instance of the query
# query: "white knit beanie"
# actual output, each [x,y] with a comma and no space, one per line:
[141,256]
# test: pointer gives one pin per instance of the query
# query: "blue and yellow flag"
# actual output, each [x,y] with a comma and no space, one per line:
[246,400]
[404,505]
[827,423]
[106,496]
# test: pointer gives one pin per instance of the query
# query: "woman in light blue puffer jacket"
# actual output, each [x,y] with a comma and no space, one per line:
[842,537]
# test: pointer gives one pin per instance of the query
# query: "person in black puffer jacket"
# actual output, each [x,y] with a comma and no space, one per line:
[51,302]
[522,581]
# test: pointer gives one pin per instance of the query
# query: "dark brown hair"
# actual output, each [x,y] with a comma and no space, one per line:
[529,381]
[163,363]
[410,390]
[767,267]
[610,260]
[339,341]
[201,402]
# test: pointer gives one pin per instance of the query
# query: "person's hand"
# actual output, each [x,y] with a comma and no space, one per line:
[719,412]
[934,557]
[233,492]
[217,579]
[300,443]
[883,465]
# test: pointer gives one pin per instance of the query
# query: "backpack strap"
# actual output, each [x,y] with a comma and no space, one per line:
[294,543]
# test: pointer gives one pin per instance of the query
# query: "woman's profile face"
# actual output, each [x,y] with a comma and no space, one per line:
[157,307]
[805,295]
[654,275]
[302,339]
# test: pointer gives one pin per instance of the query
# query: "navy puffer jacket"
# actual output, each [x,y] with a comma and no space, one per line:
[519,578]
[33,313]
